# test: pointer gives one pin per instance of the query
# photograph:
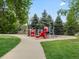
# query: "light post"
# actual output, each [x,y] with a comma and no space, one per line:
[50,30]
[4,7]
[28,28]
[53,29]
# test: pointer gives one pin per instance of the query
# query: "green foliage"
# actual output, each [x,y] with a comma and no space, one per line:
[62,12]
[50,21]
[75,5]
[72,24]
[8,23]
[35,20]
[15,16]
[58,26]
[44,19]
[50,24]
[23,7]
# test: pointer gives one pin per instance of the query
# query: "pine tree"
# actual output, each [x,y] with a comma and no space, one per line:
[43,20]
[50,24]
[34,23]
[58,26]
[46,20]
[50,20]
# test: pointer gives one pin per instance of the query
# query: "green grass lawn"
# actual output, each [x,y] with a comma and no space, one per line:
[64,49]
[7,43]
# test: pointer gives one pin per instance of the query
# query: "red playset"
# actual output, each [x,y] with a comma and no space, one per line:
[43,33]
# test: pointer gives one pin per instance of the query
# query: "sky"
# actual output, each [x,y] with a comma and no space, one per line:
[51,6]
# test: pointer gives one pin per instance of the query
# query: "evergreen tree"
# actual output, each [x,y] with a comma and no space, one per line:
[43,20]
[58,26]
[34,23]
[50,24]
[62,12]
[46,20]
[50,21]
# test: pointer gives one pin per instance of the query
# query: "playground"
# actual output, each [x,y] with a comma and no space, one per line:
[39,29]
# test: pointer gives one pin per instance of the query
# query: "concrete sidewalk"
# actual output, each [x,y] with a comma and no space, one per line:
[27,49]
[58,38]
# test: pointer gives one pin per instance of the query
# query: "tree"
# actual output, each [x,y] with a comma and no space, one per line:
[8,23]
[71,24]
[62,12]
[15,16]
[50,21]
[23,7]
[59,30]
[50,24]
[44,19]
[75,5]
[34,23]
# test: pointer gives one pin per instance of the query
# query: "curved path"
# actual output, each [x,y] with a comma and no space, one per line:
[29,48]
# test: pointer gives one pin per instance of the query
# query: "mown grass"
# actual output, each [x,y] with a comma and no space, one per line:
[63,49]
[7,43]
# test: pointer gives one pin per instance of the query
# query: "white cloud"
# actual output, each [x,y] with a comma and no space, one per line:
[62,3]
